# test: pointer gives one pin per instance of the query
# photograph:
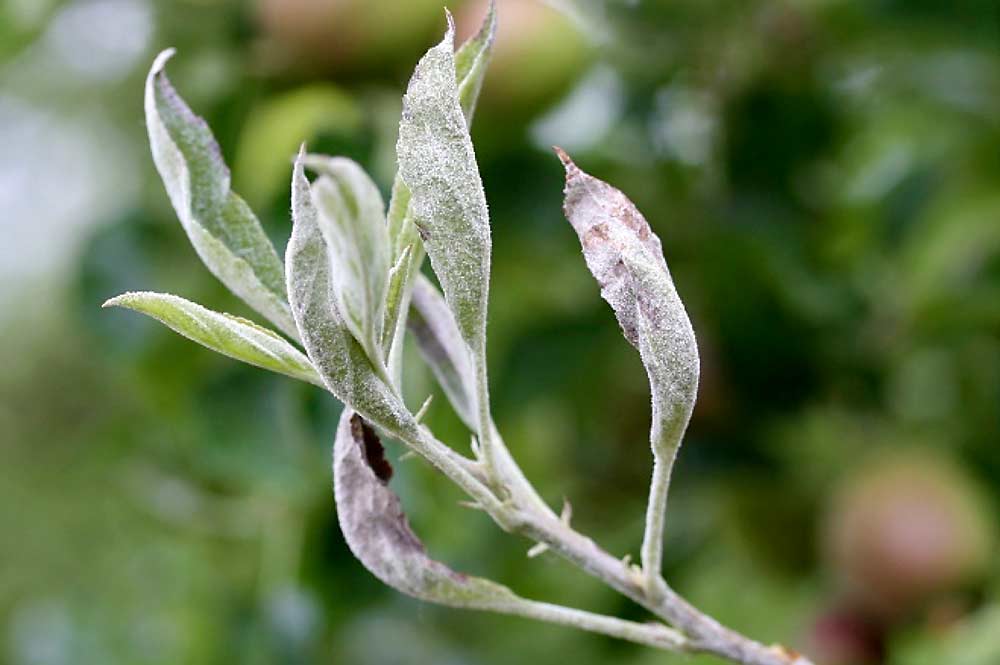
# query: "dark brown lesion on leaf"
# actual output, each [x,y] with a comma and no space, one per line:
[371,448]
[595,235]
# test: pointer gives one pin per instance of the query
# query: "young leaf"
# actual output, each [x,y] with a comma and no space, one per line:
[376,529]
[225,334]
[471,60]
[437,163]
[433,327]
[224,231]
[352,221]
[341,361]
[399,275]
[470,69]
[626,258]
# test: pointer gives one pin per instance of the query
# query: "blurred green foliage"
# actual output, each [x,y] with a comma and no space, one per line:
[825,176]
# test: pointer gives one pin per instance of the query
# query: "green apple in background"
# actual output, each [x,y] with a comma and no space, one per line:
[277,126]
[539,53]
[349,35]
[905,528]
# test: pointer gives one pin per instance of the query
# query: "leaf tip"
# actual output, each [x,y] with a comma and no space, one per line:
[489,27]
[450,33]
[121,300]
[161,60]
[565,159]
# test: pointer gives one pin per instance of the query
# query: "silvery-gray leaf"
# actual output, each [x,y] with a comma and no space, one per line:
[438,164]
[626,258]
[378,533]
[398,277]
[224,231]
[471,61]
[341,361]
[470,68]
[433,327]
[352,220]
[223,333]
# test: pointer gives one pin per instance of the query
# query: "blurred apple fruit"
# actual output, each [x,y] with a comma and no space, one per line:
[537,56]
[905,528]
[843,636]
[351,35]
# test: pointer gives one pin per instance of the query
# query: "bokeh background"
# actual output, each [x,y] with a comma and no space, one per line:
[825,176]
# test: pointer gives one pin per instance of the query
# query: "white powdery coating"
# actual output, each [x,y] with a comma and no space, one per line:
[626,258]
[438,165]
[335,353]
[352,221]
[376,529]
[223,230]
[226,334]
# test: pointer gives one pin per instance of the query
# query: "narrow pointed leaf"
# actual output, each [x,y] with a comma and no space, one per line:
[339,358]
[470,69]
[626,258]
[224,231]
[437,163]
[223,333]
[433,327]
[398,277]
[378,533]
[471,62]
[352,221]
[401,229]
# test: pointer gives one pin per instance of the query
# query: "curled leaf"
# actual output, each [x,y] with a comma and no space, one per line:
[224,231]
[341,361]
[352,220]
[225,334]
[433,327]
[626,258]
[447,202]
[378,533]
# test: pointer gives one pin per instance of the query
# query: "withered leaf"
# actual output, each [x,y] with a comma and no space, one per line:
[378,533]
[626,258]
